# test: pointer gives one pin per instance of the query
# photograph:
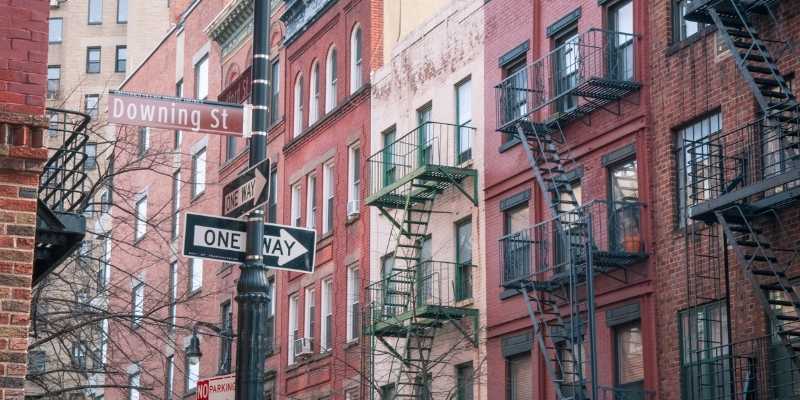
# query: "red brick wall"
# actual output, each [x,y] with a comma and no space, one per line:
[23,50]
[602,133]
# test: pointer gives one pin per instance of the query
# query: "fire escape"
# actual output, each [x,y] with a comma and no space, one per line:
[60,224]
[417,295]
[737,185]
[553,262]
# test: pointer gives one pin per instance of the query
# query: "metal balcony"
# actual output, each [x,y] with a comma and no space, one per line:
[588,72]
[421,164]
[698,10]
[60,224]
[431,293]
[545,255]
[758,163]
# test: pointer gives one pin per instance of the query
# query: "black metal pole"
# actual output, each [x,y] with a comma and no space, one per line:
[253,287]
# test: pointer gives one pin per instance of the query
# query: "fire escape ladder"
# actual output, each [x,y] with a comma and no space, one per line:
[756,64]
[769,270]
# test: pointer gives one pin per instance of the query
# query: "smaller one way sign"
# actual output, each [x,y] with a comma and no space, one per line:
[247,191]
[223,239]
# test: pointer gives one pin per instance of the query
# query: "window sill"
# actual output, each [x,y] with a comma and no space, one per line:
[193,293]
[324,238]
[508,293]
[352,218]
[689,41]
[508,145]
[197,197]
[351,343]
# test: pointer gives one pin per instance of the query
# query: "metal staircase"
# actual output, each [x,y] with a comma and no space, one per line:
[60,224]
[417,297]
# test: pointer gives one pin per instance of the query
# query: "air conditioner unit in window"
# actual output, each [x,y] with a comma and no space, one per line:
[303,347]
[353,207]
[55,3]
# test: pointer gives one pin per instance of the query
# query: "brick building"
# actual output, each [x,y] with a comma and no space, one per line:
[568,91]
[723,145]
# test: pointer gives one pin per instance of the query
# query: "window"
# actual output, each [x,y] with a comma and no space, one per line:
[516,242]
[105,201]
[272,203]
[90,162]
[199,172]
[426,138]
[625,234]
[274,100]
[353,304]
[122,59]
[178,135]
[464,381]
[463,260]
[230,147]
[55,33]
[176,204]
[298,106]
[705,363]
[328,190]
[682,29]
[519,384]
[104,272]
[95,11]
[330,80]
[141,218]
[173,295]
[464,120]
[621,21]
[313,96]
[122,11]
[388,392]
[389,163]
[356,60]
[293,333]
[37,362]
[311,202]
[351,394]
[353,179]
[514,91]
[134,382]
[144,140]
[226,338]
[201,78]
[693,168]
[91,104]
[269,331]
[295,205]
[327,316]
[195,274]
[310,313]
[78,355]
[567,66]
[629,355]
[93,60]
[169,379]
[53,80]
[137,303]
[103,343]
[192,374]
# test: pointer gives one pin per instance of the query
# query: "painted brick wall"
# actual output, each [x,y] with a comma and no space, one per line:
[23,45]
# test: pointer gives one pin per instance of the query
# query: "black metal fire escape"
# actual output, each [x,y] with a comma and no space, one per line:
[60,224]
[736,183]
[552,263]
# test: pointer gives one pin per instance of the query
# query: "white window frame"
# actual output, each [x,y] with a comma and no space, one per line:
[310,308]
[195,274]
[169,384]
[137,303]
[199,167]
[173,300]
[353,167]
[464,115]
[201,78]
[326,311]
[298,106]
[295,210]
[192,375]
[134,382]
[292,326]
[331,72]
[311,201]
[356,59]
[176,204]
[328,188]
[55,35]
[103,341]
[353,297]
[141,218]
[313,94]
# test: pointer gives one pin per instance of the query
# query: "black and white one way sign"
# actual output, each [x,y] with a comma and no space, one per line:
[247,191]
[223,239]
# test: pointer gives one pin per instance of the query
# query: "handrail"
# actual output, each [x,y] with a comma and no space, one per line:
[62,181]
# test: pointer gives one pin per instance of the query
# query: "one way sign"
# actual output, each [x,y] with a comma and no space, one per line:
[247,191]
[223,239]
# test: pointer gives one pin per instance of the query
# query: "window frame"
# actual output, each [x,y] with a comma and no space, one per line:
[143,140]
[463,288]
[293,326]
[137,304]
[617,360]
[169,377]
[311,201]
[198,71]
[297,109]
[231,147]
[51,30]
[190,379]
[127,9]
[272,198]
[309,314]
[679,137]
[356,59]
[99,17]
[328,197]
[508,69]
[331,79]
[275,92]
[295,214]
[353,303]
[465,381]
[53,92]
[140,230]
[172,311]
[680,25]
[90,63]
[463,128]
[195,275]
[117,59]
[225,342]
[685,365]
[133,387]
[353,176]
[313,94]
[175,216]
[87,164]
[91,111]
[510,384]
[199,159]
[326,316]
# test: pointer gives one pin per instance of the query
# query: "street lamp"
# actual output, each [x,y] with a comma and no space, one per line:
[193,352]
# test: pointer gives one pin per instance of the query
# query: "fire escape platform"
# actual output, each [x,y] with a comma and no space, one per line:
[58,234]
[705,211]
[424,182]
[698,10]
[424,316]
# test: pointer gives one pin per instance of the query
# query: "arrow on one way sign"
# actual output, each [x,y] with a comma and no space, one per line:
[224,239]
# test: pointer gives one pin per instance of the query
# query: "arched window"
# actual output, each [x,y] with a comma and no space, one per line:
[330,80]
[298,105]
[313,95]
[356,58]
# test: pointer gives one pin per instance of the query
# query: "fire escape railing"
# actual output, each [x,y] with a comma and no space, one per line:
[62,186]
[596,64]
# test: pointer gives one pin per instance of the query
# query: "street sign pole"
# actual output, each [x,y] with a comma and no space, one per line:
[253,287]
